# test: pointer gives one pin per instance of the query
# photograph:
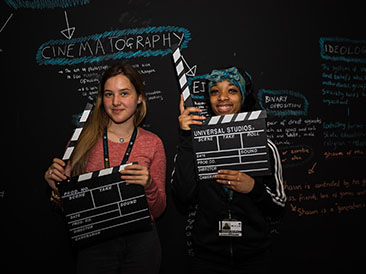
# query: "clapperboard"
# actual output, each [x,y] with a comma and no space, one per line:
[235,141]
[181,74]
[100,205]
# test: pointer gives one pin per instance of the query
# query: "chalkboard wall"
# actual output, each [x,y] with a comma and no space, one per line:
[308,64]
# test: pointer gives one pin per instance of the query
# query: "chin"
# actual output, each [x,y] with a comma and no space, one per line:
[217,112]
[120,119]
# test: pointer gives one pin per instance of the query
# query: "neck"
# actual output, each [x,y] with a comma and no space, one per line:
[121,130]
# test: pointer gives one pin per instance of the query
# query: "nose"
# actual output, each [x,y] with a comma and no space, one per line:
[115,101]
[223,96]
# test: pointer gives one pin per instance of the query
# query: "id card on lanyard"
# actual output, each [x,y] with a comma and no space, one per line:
[128,150]
[230,227]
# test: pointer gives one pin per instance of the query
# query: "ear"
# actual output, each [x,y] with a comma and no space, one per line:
[139,99]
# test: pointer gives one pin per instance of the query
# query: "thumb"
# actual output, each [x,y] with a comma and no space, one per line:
[181,104]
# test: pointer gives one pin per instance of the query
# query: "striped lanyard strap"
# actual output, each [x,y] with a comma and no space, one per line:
[128,150]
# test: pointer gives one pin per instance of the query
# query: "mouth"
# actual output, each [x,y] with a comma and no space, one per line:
[226,108]
[116,111]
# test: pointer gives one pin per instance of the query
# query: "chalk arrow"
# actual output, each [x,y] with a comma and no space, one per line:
[68,32]
[11,15]
[191,70]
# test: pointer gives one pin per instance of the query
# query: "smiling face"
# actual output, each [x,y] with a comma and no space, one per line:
[225,98]
[120,99]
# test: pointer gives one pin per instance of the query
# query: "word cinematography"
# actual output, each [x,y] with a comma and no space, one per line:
[113,45]
[235,141]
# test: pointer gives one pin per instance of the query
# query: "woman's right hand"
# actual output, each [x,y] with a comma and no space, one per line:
[55,173]
[185,119]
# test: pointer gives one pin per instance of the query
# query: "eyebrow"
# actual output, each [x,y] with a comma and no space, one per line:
[123,89]
[230,85]
[233,85]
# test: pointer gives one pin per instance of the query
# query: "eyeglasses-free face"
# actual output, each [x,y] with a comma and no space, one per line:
[225,98]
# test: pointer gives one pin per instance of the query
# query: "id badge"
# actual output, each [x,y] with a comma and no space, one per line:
[230,228]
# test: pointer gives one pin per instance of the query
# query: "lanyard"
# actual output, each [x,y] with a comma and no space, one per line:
[128,150]
[229,194]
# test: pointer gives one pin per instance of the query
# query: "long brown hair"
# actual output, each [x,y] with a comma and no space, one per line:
[99,119]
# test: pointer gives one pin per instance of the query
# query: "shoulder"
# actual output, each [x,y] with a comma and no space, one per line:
[148,137]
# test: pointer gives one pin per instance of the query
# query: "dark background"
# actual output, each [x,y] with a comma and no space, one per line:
[277,42]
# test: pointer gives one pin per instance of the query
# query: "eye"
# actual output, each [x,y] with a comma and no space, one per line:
[108,94]
[214,91]
[124,93]
[233,91]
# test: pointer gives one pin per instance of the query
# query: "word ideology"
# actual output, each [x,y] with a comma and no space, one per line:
[234,141]
[100,205]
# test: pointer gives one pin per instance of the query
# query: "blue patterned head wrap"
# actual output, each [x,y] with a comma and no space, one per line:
[231,74]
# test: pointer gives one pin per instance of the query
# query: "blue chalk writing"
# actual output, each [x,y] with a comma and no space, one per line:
[197,97]
[202,90]
[283,102]
[113,45]
[343,49]
[334,125]
[45,4]
[344,134]
[200,77]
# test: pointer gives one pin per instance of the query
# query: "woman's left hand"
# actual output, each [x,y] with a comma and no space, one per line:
[235,180]
[136,174]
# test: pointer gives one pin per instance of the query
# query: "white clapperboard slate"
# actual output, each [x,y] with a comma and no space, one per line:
[235,142]
[100,205]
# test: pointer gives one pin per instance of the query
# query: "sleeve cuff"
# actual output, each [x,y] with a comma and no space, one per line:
[258,192]
[185,138]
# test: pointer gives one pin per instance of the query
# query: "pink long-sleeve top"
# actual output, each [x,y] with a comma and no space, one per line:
[148,151]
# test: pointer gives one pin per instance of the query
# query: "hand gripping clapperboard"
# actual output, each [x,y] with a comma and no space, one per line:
[234,141]
[100,205]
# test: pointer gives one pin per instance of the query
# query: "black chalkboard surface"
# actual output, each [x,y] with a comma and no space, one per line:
[308,64]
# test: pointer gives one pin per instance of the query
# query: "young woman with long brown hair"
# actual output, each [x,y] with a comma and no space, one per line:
[120,108]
